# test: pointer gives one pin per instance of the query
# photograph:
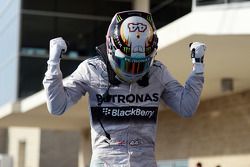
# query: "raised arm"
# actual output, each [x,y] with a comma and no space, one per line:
[185,99]
[61,95]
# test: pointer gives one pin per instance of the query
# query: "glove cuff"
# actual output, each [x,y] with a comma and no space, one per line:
[198,68]
[198,60]
[53,62]
[53,69]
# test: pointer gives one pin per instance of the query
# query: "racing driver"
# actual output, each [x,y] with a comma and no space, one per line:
[125,84]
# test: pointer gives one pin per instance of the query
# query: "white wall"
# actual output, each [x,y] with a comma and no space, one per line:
[241,160]
[233,21]
[31,137]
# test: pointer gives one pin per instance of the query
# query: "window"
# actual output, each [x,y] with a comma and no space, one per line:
[166,11]
[83,24]
[21,154]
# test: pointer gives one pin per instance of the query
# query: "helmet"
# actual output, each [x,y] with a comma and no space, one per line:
[131,43]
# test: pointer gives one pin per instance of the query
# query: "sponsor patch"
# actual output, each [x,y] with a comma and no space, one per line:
[121,114]
[130,98]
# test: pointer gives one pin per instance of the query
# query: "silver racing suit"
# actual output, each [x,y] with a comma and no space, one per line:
[123,125]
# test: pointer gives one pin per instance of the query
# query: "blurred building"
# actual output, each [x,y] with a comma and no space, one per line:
[217,135]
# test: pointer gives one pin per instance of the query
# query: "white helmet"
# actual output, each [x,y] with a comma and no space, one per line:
[131,43]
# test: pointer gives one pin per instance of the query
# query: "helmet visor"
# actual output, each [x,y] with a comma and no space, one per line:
[133,65]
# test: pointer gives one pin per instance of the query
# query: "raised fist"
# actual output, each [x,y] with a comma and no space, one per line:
[57,46]
[197,54]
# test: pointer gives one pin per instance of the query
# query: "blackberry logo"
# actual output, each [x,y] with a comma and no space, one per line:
[122,112]
[106,111]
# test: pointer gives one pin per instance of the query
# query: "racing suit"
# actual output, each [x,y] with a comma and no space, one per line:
[123,125]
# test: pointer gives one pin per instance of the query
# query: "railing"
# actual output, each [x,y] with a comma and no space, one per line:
[219,4]
[44,53]
[172,163]
[214,2]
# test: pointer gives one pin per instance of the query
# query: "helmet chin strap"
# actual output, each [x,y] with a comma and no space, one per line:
[144,80]
[102,51]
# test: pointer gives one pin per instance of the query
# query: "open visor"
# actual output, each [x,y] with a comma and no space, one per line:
[133,65]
